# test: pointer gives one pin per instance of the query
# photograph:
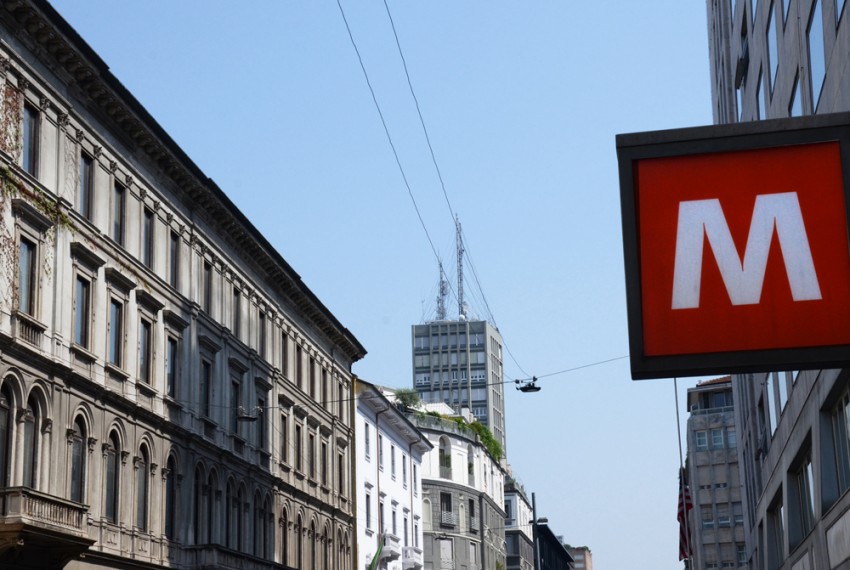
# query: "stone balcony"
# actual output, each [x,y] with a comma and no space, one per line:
[217,556]
[38,530]
[392,547]
[411,558]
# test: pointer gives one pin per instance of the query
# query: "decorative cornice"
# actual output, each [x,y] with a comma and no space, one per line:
[60,48]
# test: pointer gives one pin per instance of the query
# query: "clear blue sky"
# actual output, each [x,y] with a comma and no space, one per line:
[522,101]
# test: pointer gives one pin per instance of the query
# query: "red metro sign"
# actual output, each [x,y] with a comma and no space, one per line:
[736,247]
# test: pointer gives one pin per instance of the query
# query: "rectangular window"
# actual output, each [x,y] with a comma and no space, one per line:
[235,405]
[284,354]
[147,237]
[324,466]
[817,55]
[759,98]
[171,366]
[26,277]
[707,517]
[840,419]
[206,287]
[118,213]
[368,511]
[738,513]
[801,499]
[299,379]
[284,438]
[366,447]
[236,312]
[261,341]
[380,451]
[404,471]
[298,451]
[701,440]
[84,192]
[116,331]
[82,312]
[30,139]
[145,344]
[731,438]
[311,455]
[776,533]
[174,259]
[341,474]
[446,502]
[312,377]
[717,439]
[261,424]
[206,381]
[415,480]
[392,461]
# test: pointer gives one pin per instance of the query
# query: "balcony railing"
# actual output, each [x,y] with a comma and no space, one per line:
[392,547]
[445,472]
[474,524]
[411,558]
[216,556]
[447,563]
[448,518]
[28,506]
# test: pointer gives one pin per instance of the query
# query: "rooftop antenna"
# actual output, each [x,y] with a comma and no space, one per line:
[441,295]
[461,306]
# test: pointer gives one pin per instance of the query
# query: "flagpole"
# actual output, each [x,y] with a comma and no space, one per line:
[682,498]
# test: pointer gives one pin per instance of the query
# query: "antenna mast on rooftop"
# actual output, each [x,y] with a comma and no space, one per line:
[461,306]
[442,292]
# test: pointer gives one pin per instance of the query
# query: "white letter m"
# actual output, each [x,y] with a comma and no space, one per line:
[700,219]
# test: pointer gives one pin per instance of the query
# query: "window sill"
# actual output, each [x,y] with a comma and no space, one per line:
[145,388]
[82,354]
[116,371]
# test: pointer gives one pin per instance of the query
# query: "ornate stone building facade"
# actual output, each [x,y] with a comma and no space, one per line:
[171,393]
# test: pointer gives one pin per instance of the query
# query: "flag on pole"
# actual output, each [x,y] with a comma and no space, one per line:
[685,505]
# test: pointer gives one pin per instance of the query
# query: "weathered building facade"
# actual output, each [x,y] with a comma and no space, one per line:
[171,393]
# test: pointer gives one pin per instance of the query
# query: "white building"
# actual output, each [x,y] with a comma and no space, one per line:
[518,528]
[463,488]
[389,456]
[170,390]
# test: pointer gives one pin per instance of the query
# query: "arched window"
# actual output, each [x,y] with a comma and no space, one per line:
[6,406]
[445,458]
[232,508]
[326,550]
[314,537]
[198,511]
[258,525]
[78,461]
[32,440]
[340,553]
[211,514]
[170,498]
[240,521]
[142,487]
[470,466]
[299,544]
[112,478]
[268,528]
[284,538]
